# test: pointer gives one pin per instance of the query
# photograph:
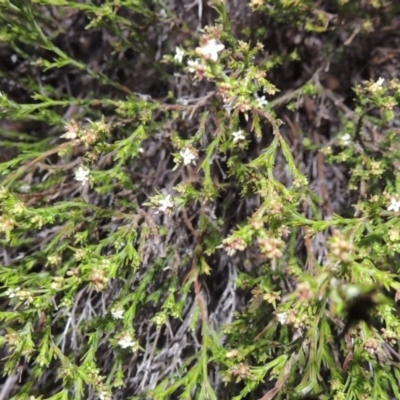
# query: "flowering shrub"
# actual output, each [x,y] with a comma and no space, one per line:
[197,200]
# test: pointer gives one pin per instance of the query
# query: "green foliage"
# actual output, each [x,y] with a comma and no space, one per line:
[175,241]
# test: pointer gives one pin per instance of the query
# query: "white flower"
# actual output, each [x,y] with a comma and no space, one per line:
[188,155]
[82,175]
[103,395]
[193,64]
[211,49]
[352,291]
[376,86]
[126,341]
[179,53]
[117,313]
[238,136]
[346,139]
[394,205]
[165,204]
[282,317]
[72,130]
[11,293]
[262,101]
[70,135]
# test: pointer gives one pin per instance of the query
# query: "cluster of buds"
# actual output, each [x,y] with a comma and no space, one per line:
[376,168]
[241,371]
[232,353]
[22,295]
[80,254]
[19,208]
[98,279]
[3,193]
[272,297]
[257,292]
[298,322]
[72,130]
[160,319]
[73,272]
[243,105]
[126,340]
[389,336]
[275,206]
[371,345]
[12,339]
[104,394]
[304,292]
[6,224]
[394,234]
[283,231]
[38,221]
[86,135]
[97,379]
[58,282]
[374,87]
[89,136]
[271,247]
[255,4]
[233,244]
[226,91]
[340,247]
[54,260]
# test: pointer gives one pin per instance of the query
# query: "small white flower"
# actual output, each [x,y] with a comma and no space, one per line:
[117,313]
[126,341]
[352,291]
[193,65]
[104,395]
[346,139]
[179,53]
[380,82]
[282,317]
[238,136]
[188,155]
[11,293]
[82,175]
[211,49]
[70,135]
[262,101]
[24,188]
[376,86]
[72,130]
[394,205]
[165,204]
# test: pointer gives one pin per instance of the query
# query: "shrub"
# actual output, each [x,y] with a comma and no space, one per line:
[199,213]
